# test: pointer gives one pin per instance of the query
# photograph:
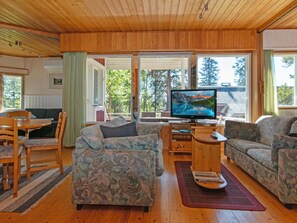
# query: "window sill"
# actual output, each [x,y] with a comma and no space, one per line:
[287,107]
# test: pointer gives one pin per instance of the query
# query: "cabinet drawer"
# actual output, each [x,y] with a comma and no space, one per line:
[182,146]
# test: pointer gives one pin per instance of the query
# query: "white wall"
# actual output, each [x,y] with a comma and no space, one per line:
[37,91]
[280,39]
[7,61]
[37,82]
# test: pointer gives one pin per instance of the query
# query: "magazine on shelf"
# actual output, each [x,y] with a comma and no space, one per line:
[205,173]
[205,176]
[209,179]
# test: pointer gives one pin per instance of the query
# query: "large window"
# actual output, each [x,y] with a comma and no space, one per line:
[286,81]
[229,74]
[12,91]
[159,74]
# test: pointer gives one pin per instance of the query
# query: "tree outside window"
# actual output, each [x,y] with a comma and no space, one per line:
[118,92]
[12,92]
[285,79]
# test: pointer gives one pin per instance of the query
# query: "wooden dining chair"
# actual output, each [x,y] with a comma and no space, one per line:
[47,144]
[21,114]
[10,152]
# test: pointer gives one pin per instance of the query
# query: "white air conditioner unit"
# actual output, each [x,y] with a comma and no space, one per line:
[53,64]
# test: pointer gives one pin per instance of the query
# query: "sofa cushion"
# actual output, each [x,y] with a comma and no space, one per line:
[38,112]
[119,131]
[274,125]
[148,128]
[93,136]
[245,145]
[293,130]
[53,113]
[262,156]
[241,130]
[118,121]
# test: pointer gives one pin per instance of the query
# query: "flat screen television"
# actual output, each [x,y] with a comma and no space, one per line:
[194,104]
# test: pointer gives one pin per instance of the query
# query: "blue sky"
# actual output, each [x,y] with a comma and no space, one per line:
[282,73]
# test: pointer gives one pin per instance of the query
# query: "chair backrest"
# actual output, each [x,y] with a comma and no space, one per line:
[61,126]
[9,132]
[19,114]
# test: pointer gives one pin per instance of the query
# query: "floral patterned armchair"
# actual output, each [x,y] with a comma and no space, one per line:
[117,171]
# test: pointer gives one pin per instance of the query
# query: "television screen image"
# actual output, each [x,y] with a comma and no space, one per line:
[194,104]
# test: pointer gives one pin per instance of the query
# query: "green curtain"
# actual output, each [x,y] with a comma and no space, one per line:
[74,94]
[270,95]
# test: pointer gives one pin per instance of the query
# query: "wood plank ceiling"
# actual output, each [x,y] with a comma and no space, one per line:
[30,28]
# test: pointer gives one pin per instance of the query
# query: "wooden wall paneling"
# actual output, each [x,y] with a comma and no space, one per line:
[127,42]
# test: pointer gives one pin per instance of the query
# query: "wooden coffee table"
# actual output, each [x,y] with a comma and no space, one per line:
[206,155]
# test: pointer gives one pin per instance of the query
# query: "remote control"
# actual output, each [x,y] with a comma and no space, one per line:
[214,135]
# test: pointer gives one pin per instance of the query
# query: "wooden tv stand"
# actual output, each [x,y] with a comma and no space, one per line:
[206,157]
[180,135]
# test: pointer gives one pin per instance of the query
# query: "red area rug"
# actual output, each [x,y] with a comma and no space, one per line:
[233,197]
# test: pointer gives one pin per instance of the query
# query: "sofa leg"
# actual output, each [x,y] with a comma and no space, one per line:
[79,206]
[146,209]
[288,206]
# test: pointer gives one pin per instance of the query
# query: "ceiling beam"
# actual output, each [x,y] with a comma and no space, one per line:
[278,16]
[29,30]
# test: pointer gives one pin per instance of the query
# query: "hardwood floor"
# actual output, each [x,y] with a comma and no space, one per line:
[57,206]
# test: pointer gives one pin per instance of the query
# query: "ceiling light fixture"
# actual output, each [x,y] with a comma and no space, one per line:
[203,7]
[20,44]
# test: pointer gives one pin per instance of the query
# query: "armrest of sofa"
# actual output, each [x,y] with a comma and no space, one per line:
[142,142]
[287,175]
[115,177]
[281,142]
[241,130]
[148,128]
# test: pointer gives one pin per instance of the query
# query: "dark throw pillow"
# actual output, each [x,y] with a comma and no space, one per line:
[293,131]
[119,131]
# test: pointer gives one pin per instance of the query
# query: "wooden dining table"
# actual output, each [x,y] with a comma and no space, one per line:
[26,125]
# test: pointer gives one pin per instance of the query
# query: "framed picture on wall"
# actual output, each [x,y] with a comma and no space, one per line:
[55,81]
